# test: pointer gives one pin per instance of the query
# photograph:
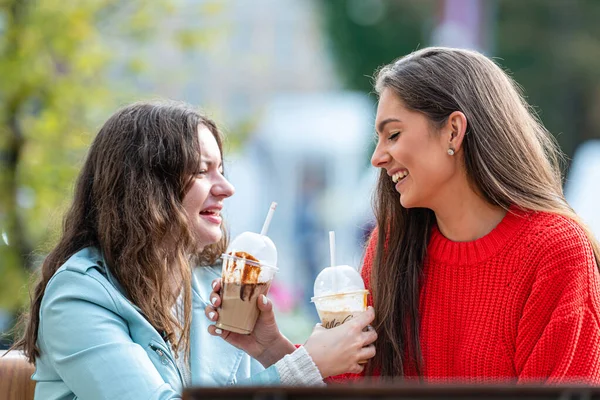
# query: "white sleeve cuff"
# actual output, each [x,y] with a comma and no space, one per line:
[298,369]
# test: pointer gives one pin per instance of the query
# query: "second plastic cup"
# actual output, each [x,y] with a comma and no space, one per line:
[336,309]
[339,294]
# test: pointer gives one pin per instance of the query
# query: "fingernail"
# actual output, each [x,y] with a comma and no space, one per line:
[214,284]
[218,331]
[265,301]
[213,300]
[211,315]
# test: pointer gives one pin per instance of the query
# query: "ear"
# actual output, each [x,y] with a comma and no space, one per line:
[455,129]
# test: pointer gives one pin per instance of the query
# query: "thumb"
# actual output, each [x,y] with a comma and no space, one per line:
[318,328]
[267,316]
[264,304]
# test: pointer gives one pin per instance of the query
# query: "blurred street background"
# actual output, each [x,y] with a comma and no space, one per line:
[289,83]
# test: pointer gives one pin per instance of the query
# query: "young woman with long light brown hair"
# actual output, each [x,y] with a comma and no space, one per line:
[479,270]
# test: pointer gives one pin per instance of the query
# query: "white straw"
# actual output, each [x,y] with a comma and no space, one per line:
[332,248]
[265,227]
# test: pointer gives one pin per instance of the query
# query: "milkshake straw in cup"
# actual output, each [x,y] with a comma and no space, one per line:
[339,292]
[249,265]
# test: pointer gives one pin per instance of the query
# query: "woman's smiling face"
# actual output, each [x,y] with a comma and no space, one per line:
[414,155]
[204,200]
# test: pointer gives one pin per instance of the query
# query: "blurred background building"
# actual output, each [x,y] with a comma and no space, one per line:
[289,83]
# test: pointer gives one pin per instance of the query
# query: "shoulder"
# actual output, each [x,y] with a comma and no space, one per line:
[82,277]
[565,280]
[77,299]
[560,226]
[561,250]
[558,237]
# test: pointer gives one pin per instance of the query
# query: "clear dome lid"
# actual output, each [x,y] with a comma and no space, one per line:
[338,279]
[259,246]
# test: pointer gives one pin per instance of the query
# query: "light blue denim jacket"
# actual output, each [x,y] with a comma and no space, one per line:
[95,344]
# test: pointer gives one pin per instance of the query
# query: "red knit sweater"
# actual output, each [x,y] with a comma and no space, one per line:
[521,304]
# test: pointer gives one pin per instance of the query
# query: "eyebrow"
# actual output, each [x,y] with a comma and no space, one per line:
[383,123]
[210,162]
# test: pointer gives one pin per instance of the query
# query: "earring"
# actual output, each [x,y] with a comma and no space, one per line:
[450,152]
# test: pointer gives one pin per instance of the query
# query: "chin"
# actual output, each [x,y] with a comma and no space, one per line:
[214,238]
[208,238]
[407,202]
[404,202]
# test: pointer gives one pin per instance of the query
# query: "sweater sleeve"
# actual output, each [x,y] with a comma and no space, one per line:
[365,272]
[298,369]
[558,338]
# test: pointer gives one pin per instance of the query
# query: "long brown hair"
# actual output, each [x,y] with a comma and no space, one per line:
[128,204]
[509,157]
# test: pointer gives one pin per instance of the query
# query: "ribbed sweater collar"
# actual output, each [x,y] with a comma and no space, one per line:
[446,251]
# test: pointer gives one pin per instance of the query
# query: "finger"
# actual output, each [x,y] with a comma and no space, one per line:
[357,369]
[367,352]
[216,285]
[364,318]
[215,299]
[266,316]
[211,313]
[368,336]
[214,331]
[264,304]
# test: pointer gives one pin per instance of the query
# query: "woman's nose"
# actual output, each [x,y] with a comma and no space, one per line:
[224,188]
[380,157]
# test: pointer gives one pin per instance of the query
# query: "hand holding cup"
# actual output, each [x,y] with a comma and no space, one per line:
[265,343]
[344,348]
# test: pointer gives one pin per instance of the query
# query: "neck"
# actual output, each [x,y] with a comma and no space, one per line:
[465,216]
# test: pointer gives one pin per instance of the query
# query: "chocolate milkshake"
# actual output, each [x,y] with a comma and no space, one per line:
[249,266]
[244,280]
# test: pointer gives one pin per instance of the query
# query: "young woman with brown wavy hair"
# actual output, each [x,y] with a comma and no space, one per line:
[117,312]
[479,270]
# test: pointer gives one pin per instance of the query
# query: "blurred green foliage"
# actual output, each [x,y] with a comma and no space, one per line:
[551,48]
[400,27]
[57,62]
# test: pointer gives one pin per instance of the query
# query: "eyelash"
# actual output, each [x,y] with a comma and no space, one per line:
[393,136]
[204,171]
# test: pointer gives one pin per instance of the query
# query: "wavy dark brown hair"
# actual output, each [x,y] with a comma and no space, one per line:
[509,157]
[128,204]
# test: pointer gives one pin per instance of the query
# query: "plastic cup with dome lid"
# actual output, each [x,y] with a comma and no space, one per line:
[249,266]
[339,292]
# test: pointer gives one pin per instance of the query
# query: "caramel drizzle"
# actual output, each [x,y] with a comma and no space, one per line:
[249,275]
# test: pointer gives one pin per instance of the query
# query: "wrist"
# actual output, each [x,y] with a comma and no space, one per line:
[276,351]
[316,359]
